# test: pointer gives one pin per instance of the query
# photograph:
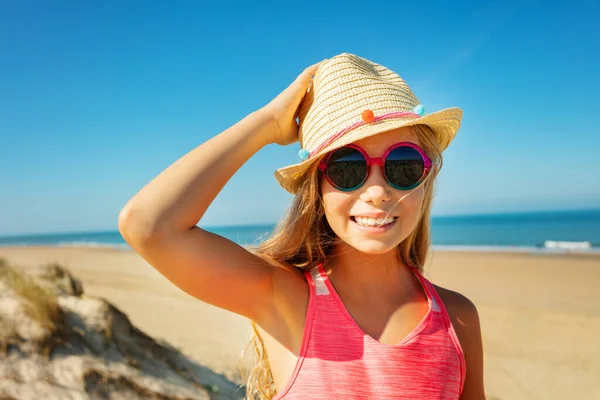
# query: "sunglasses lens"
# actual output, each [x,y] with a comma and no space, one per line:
[404,167]
[346,168]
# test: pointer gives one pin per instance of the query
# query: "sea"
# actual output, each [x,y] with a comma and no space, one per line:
[574,231]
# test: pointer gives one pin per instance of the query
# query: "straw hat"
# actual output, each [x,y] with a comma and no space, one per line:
[351,98]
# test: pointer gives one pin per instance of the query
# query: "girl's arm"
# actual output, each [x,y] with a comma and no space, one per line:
[465,320]
[470,337]
[159,222]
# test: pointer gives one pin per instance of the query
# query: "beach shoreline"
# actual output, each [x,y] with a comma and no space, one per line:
[539,312]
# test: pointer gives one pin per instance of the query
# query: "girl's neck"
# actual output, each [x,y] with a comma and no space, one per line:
[367,275]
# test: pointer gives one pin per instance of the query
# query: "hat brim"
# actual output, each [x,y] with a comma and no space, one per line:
[445,123]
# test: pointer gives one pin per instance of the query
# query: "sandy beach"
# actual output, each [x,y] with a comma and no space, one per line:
[540,313]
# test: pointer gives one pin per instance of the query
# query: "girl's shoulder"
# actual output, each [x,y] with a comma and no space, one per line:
[456,303]
[290,287]
[284,321]
[287,273]
[283,273]
[462,311]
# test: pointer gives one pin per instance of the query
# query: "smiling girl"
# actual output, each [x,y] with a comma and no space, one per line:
[336,296]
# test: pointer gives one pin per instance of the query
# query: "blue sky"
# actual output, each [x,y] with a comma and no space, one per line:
[97,98]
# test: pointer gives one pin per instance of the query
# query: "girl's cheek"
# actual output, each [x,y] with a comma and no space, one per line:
[333,207]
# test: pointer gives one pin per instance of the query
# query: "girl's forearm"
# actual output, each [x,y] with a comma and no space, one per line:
[180,195]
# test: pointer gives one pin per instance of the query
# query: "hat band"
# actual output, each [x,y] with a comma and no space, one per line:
[360,123]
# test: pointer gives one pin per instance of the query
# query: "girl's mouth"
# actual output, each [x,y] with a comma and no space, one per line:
[373,229]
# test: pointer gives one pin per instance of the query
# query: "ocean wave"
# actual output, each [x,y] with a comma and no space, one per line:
[458,248]
[515,249]
[119,246]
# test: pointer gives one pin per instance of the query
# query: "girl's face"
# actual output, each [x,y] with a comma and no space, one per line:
[374,196]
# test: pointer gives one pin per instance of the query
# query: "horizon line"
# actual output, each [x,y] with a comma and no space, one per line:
[475,214]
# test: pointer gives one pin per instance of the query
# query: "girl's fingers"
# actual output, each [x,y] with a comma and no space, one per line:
[310,71]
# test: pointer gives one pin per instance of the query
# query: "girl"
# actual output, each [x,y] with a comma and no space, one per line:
[337,290]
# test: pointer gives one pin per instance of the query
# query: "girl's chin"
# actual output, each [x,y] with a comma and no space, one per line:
[374,250]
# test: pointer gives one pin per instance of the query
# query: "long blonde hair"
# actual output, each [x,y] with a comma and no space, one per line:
[313,239]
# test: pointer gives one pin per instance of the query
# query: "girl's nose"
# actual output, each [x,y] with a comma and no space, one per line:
[376,188]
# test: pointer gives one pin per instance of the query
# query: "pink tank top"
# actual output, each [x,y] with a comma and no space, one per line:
[339,361]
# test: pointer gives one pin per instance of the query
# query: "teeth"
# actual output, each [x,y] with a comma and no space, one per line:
[372,221]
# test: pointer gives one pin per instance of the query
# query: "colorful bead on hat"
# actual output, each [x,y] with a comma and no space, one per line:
[367,116]
[420,109]
[303,154]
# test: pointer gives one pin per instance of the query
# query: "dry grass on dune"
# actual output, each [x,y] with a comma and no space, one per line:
[40,304]
[54,340]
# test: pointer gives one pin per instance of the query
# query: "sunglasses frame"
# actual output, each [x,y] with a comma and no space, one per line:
[378,161]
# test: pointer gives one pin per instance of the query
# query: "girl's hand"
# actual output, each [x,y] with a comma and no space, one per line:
[283,109]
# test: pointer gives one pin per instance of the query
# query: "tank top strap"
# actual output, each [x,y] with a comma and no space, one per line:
[316,276]
[440,307]
[438,304]
[430,291]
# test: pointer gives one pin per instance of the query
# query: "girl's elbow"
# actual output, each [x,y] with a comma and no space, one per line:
[135,227]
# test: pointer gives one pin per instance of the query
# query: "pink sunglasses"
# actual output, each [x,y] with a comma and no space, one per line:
[404,165]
